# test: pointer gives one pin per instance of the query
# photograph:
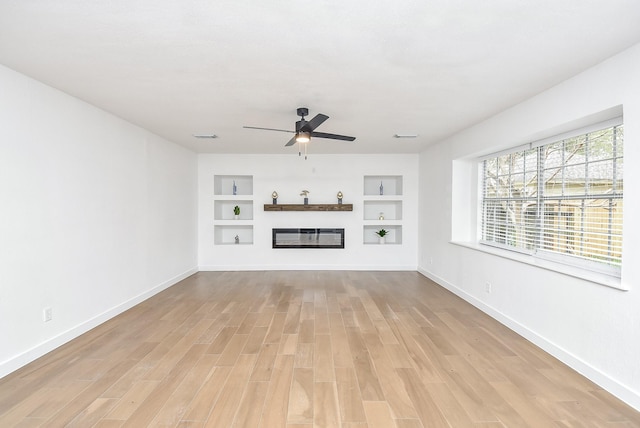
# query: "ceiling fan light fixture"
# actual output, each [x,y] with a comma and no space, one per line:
[303,137]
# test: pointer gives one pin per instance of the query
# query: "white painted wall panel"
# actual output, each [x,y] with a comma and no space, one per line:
[97,214]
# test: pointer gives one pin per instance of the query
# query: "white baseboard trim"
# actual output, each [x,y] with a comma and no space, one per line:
[632,398]
[20,360]
[223,268]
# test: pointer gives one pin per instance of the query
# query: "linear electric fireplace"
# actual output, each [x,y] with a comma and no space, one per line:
[308,238]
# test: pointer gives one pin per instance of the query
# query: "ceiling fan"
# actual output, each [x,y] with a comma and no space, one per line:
[305,129]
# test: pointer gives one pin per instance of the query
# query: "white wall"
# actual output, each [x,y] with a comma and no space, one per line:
[593,328]
[96,215]
[323,176]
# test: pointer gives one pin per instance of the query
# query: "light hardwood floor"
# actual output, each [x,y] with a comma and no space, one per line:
[303,349]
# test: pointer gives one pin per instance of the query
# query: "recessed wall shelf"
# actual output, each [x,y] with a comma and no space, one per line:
[387,209]
[394,234]
[382,208]
[308,207]
[224,185]
[231,191]
[382,185]
[226,234]
[223,209]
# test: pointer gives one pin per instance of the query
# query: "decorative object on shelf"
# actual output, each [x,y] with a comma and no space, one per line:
[340,195]
[381,235]
[236,212]
[237,238]
[381,216]
[235,188]
[305,193]
[381,188]
[274,196]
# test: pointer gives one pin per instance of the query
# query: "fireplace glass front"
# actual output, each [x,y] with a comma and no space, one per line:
[308,238]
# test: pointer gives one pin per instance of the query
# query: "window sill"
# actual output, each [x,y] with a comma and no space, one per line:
[576,272]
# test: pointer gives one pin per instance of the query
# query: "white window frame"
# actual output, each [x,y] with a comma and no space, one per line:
[536,250]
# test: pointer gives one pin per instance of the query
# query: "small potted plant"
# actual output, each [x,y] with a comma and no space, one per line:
[381,235]
[305,194]
[236,212]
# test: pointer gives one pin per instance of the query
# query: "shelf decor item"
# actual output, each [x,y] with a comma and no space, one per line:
[381,235]
[235,188]
[305,193]
[339,195]
[381,216]
[237,238]
[381,188]
[274,196]
[236,212]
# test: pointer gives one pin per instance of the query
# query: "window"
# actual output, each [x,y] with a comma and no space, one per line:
[560,199]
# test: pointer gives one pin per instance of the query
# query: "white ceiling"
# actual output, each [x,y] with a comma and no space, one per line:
[377,68]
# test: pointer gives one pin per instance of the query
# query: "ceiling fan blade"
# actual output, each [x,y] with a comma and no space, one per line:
[269,129]
[332,136]
[291,142]
[314,123]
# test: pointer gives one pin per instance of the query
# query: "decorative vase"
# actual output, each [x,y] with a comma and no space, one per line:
[235,189]
[381,240]
[381,189]
[306,201]
[236,216]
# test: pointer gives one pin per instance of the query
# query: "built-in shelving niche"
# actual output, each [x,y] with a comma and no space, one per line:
[223,185]
[226,234]
[394,234]
[391,185]
[382,208]
[388,210]
[229,191]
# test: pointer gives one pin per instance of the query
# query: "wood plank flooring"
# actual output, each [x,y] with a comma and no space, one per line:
[304,349]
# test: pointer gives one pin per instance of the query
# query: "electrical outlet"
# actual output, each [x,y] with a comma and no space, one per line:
[487,287]
[47,314]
